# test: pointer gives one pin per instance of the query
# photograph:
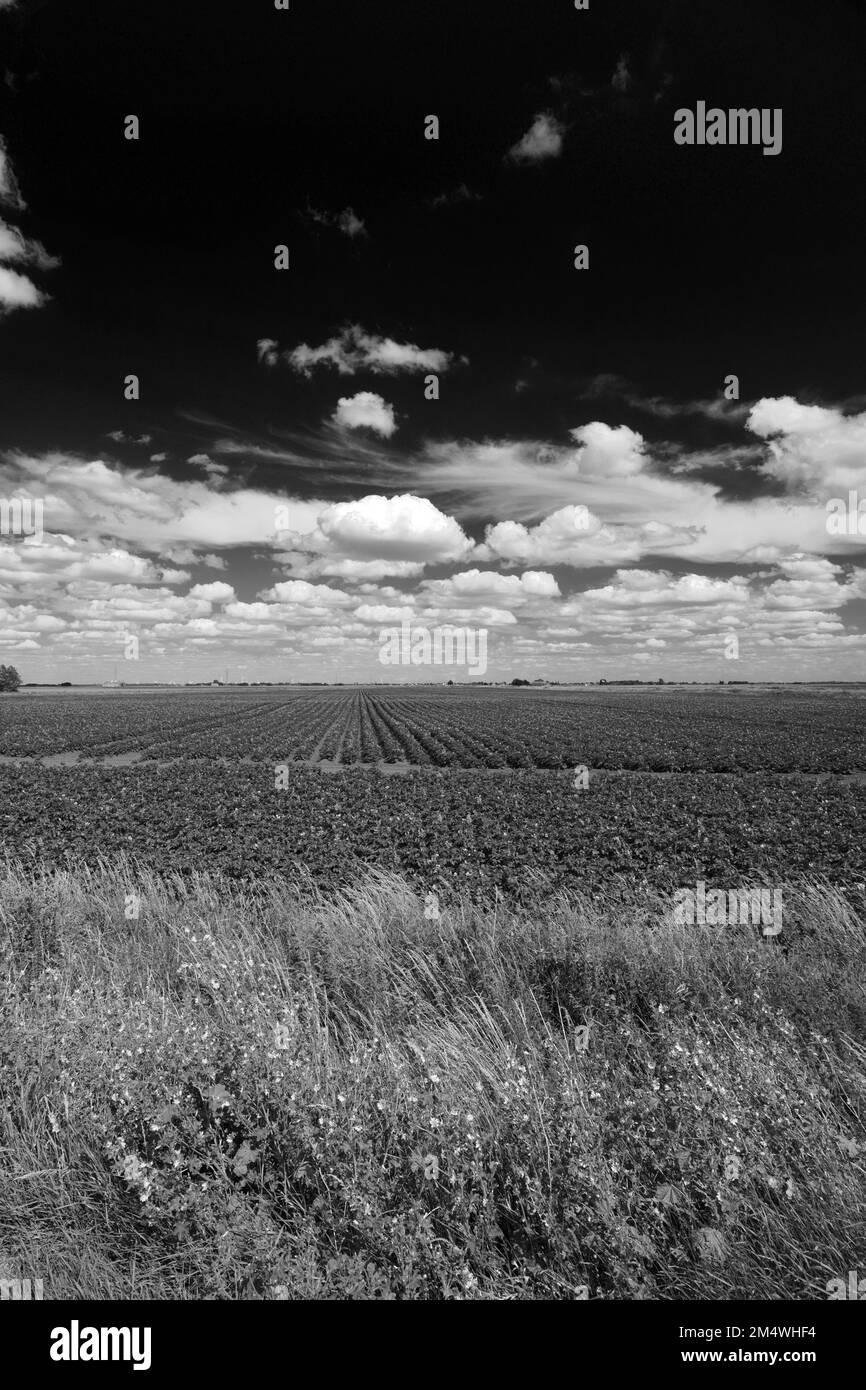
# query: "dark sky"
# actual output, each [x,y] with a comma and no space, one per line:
[699,267]
[259,127]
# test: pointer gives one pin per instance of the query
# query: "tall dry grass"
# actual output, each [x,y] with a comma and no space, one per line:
[277,1094]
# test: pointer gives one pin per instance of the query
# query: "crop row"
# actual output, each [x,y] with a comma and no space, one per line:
[442,828]
[654,730]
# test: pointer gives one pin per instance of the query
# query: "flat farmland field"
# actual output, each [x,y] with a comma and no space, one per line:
[362,993]
[476,788]
[652,729]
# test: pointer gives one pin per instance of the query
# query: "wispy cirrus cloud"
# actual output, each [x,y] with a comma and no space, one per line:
[614,497]
[609,386]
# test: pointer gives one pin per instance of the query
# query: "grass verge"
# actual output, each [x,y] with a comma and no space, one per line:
[209,1092]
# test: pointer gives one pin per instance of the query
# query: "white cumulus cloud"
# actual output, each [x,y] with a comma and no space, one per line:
[353,350]
[365,410]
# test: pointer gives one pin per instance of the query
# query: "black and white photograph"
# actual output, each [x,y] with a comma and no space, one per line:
[433,666]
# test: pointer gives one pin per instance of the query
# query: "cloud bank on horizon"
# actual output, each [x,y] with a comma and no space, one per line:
[571,554]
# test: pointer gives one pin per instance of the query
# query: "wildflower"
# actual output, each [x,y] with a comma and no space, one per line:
[431,1167]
